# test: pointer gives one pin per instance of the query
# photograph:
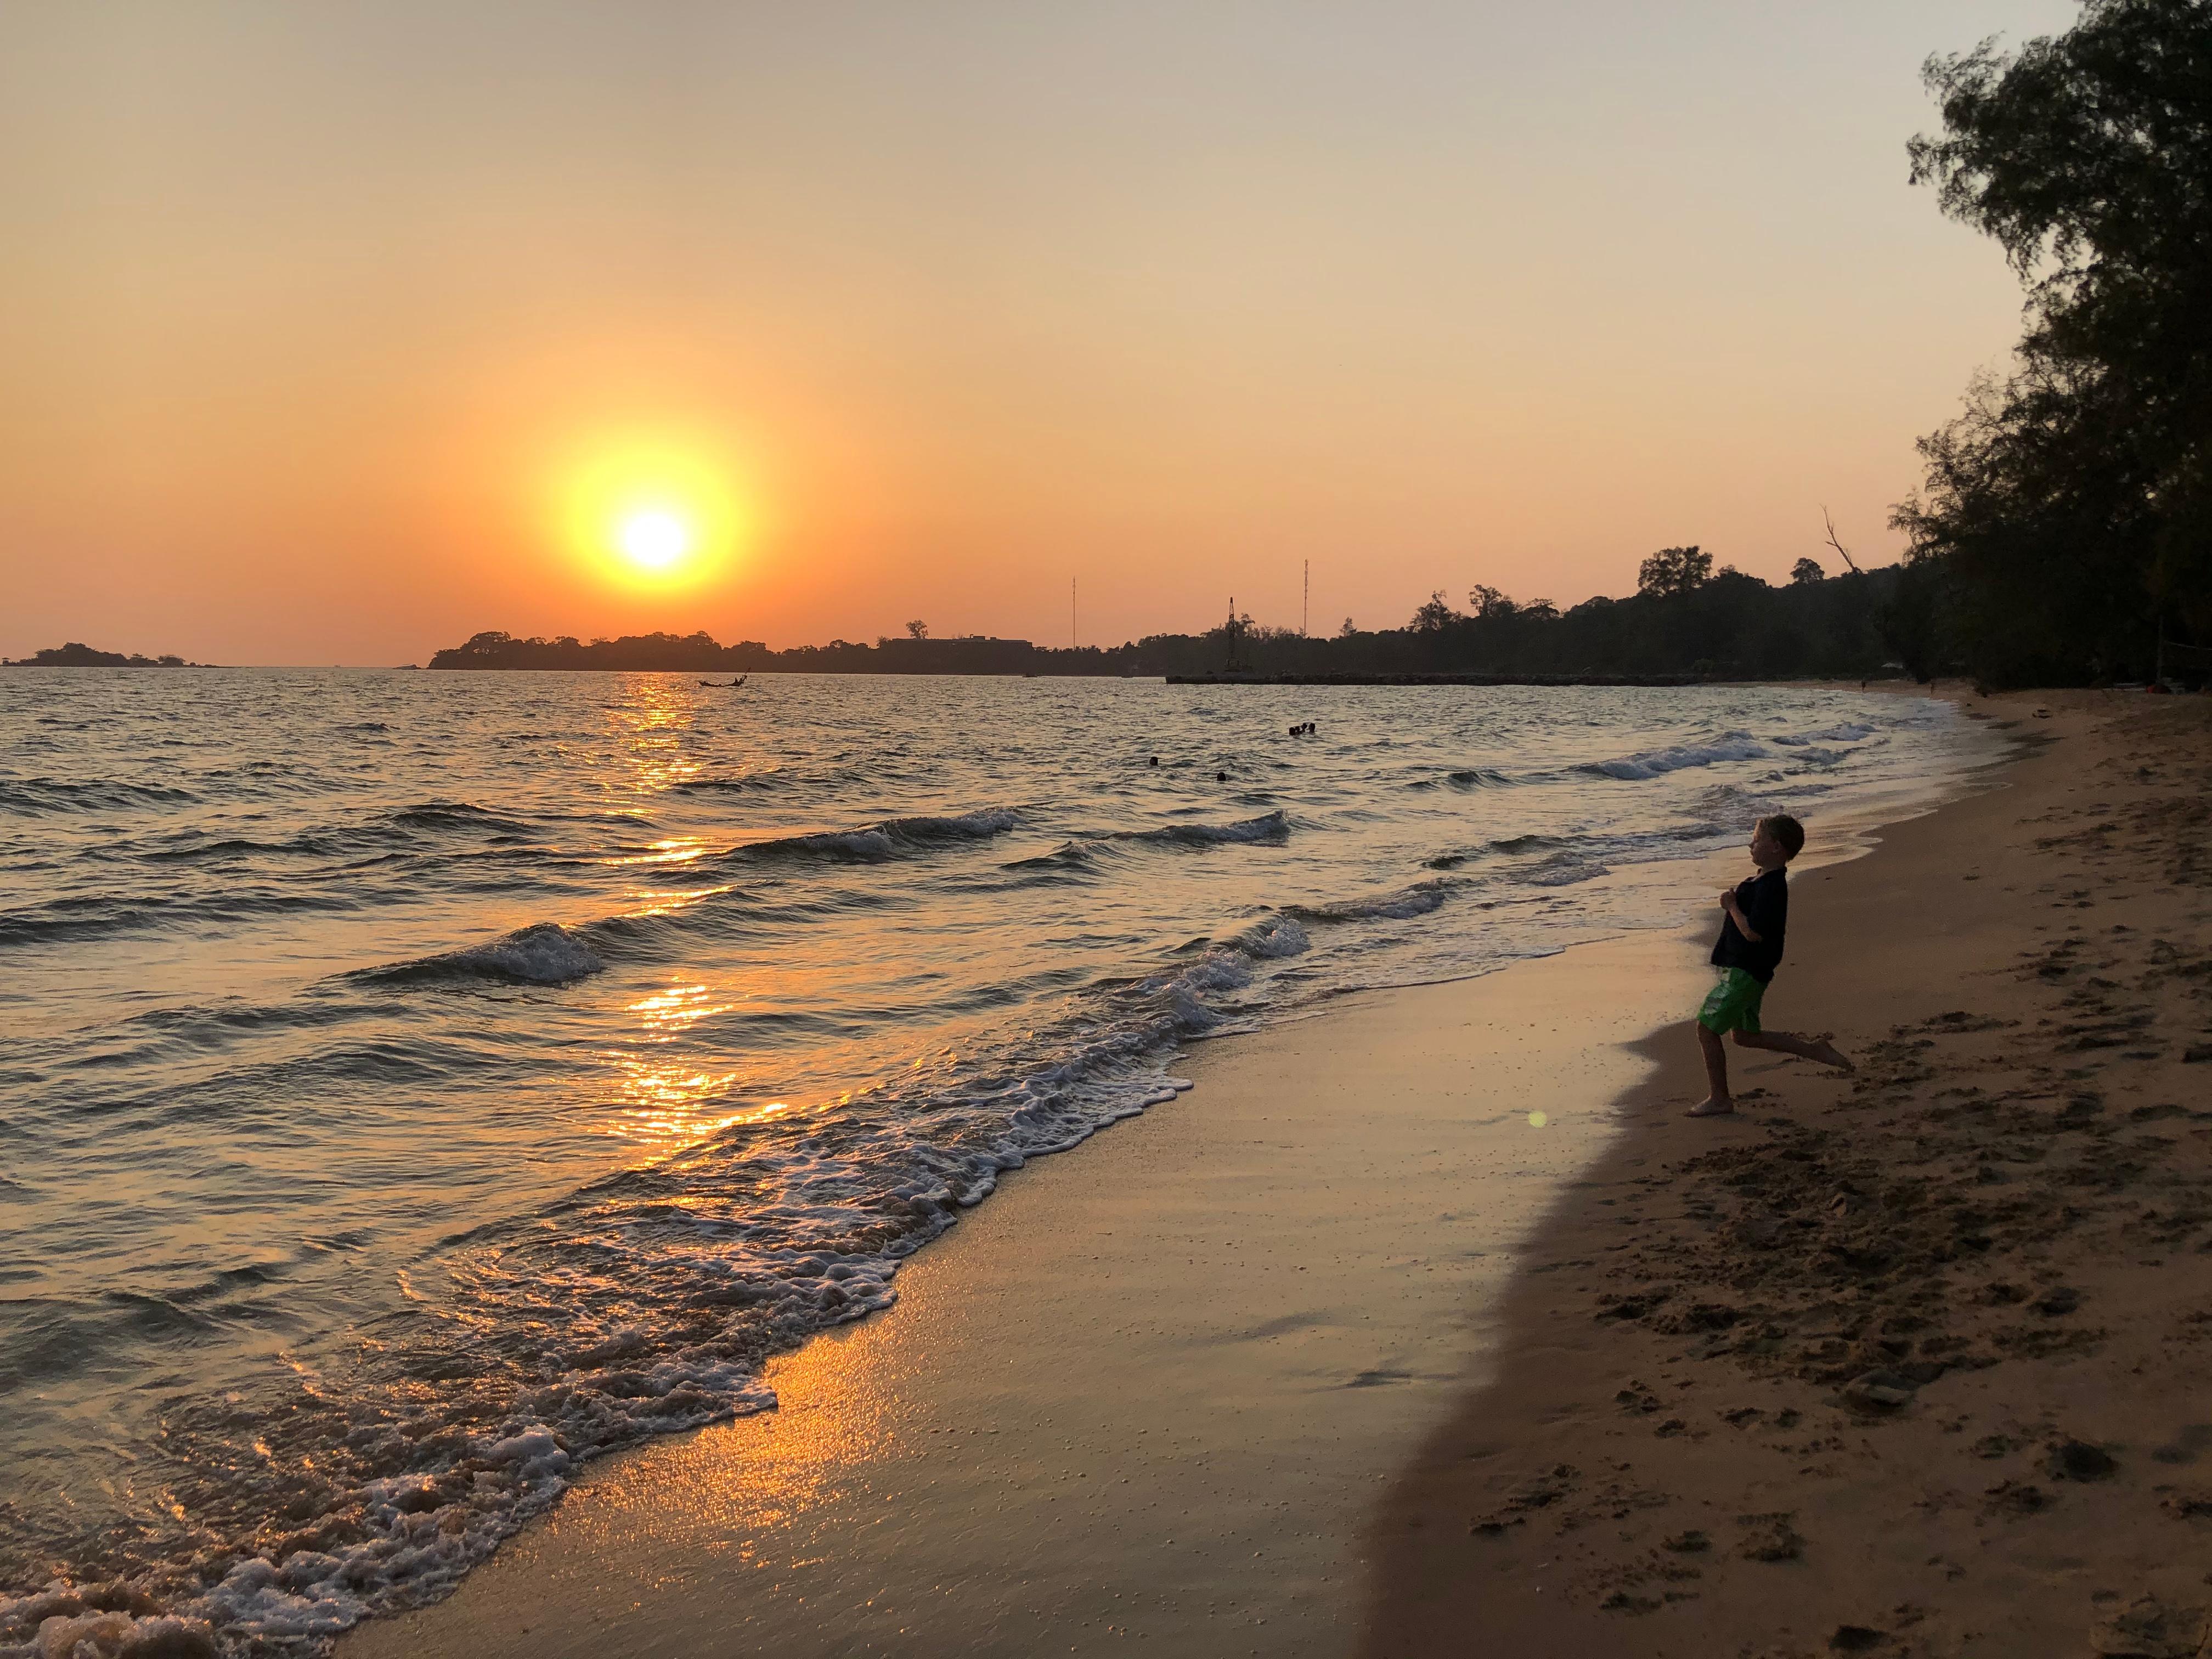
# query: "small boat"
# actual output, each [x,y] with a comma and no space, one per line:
[727,685]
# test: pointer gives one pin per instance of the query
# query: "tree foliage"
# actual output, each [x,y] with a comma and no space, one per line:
[2066,513]
[1674,570]
[1435,615]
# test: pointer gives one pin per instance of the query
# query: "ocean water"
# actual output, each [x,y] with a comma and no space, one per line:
[413,1086]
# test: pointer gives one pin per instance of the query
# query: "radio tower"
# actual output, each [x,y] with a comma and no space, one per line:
[1305,604]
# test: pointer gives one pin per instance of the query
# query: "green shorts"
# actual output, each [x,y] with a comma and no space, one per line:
[1733,1005]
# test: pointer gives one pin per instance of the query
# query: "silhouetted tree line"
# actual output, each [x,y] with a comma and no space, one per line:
[78,655]
[2064,528]
[701,653]
[1685,619]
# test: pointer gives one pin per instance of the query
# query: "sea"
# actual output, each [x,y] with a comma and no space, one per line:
[414,1086]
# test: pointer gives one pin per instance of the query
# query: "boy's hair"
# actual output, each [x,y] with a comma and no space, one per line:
[1788,834]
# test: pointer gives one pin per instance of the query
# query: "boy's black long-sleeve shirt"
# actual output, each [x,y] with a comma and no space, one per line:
[1765,901]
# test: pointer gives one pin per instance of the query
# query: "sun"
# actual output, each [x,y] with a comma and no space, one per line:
[653,513]
[655,538]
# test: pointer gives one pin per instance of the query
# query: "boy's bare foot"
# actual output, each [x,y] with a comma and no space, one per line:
[1713,1106]
[1828,1054]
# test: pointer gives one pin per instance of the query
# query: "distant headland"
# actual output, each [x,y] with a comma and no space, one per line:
[1686,622]
[77,655]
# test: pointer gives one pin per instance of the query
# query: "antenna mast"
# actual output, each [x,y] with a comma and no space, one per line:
[1305,603]
[1071,613]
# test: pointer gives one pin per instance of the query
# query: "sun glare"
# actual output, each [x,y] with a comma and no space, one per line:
[653,514]
[654,538]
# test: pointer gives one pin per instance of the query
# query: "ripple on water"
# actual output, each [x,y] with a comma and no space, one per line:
[421,1084]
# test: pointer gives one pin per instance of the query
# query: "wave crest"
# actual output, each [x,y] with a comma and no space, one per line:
[86,795]
[1418,900]
[1656,763]
[878,842]
[775,777]
[544,953]
[450,814]
[1268,826]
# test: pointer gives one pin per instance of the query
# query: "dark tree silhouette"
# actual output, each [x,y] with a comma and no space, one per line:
[1807,570]
[77,655]
[2066,516]
[1674,570]
[1435,615]
[1702,622]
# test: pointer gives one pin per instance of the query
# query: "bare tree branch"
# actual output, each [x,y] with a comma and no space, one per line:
[1839,546]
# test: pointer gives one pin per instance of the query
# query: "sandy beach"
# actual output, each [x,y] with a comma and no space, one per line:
[1901,1362]
[1908,1361]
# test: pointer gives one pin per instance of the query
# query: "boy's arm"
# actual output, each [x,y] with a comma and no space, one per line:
[1751,935]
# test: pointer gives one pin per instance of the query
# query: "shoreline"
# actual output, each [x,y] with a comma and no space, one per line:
[910,1473]
[1143,1392]
[1897,1363]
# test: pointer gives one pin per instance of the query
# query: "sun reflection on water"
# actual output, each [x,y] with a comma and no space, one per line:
[667,901]
[670,1100]
[656,715]
[673,849]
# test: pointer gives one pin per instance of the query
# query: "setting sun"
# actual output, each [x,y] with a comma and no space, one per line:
[654,538]
[660,512]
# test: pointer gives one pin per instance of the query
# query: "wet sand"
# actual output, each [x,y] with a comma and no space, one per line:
[1152,1391]
[1912,1362]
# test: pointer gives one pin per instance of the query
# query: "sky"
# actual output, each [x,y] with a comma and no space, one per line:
[337,332]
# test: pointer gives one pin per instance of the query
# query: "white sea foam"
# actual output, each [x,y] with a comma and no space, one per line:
[1278,937]
[63,1625]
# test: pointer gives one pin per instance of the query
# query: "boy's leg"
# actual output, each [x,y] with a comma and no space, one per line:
[1718,1104]
[1817,1048]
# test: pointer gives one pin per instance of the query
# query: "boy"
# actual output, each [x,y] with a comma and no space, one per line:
[1757,911]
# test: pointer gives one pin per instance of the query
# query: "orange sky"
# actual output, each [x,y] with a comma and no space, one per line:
[318,324]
